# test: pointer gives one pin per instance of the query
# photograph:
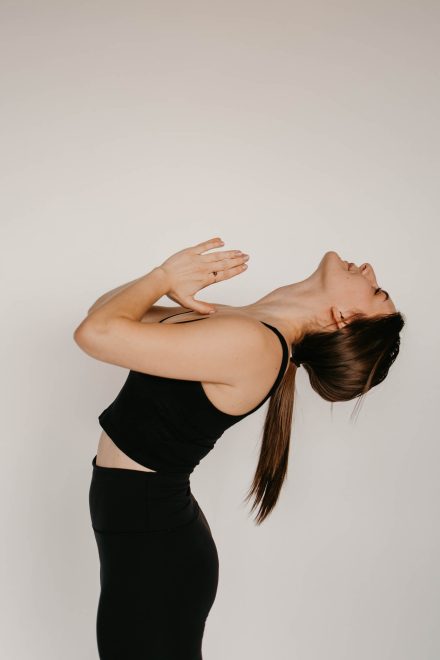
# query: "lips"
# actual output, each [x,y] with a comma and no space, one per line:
[348,263]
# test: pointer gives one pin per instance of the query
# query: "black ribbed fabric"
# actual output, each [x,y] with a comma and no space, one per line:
[169,424]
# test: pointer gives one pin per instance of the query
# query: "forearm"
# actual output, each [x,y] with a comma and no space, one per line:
[106,296]
[131,302]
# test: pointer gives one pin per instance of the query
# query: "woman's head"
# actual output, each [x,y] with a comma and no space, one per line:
[347,338]
[351,289]
[353,353]
[335,293]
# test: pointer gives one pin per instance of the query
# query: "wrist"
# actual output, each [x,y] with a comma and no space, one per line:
[162,277]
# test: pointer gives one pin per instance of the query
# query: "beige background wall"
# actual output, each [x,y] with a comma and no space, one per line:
[133,129]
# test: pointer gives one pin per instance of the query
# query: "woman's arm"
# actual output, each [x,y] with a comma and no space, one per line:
[106,296]
[153,315]
[131,301]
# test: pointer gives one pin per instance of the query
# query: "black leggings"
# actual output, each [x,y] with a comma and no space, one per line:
[158,565]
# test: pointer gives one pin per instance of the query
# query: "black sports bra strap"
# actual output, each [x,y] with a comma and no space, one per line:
[178,314]
[285,359]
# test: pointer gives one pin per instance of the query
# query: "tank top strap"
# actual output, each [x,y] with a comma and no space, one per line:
[178,314]
[285,359]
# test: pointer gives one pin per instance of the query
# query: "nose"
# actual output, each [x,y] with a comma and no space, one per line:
[367,270]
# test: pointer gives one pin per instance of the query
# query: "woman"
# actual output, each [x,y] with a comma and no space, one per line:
[188,384]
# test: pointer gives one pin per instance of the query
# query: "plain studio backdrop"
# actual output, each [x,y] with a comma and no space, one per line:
[133,129]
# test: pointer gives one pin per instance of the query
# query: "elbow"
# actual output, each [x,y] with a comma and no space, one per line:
[77,335]
[84,335]
[89,336]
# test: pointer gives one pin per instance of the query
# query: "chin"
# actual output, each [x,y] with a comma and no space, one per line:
[333,253]
[331,263]
[331,256]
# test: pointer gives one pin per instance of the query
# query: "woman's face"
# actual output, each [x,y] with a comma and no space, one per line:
[353,288]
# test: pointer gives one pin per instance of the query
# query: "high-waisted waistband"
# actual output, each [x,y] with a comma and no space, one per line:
[161,477]
[125,500]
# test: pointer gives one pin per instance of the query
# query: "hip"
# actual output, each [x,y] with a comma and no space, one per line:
[152,533]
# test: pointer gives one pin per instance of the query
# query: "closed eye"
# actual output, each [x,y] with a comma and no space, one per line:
[383,291]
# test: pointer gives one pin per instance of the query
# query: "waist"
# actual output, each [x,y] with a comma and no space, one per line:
[122,499]
[157,481]
[110,455]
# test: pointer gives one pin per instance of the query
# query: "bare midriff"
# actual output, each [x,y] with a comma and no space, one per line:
[109,455]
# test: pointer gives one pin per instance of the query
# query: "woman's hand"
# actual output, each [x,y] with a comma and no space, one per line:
[189,270]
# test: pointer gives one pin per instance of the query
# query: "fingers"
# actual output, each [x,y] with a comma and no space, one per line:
[225,264]
[227,268]
[234,271]
[227,273]
[208,245]
[222,262]
[229,263]
[226,254]
[199,306]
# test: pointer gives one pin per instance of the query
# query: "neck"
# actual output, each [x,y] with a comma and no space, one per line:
[293,309]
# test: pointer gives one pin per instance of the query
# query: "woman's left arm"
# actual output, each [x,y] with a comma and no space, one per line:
[130,301]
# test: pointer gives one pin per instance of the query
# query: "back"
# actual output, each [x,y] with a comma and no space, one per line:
[169,424]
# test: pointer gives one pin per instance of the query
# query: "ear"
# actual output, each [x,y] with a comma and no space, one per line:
[338,317]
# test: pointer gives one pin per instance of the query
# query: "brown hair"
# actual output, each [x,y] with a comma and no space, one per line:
[342,365]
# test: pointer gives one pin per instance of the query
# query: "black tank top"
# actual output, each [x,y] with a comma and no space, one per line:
[169,424]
